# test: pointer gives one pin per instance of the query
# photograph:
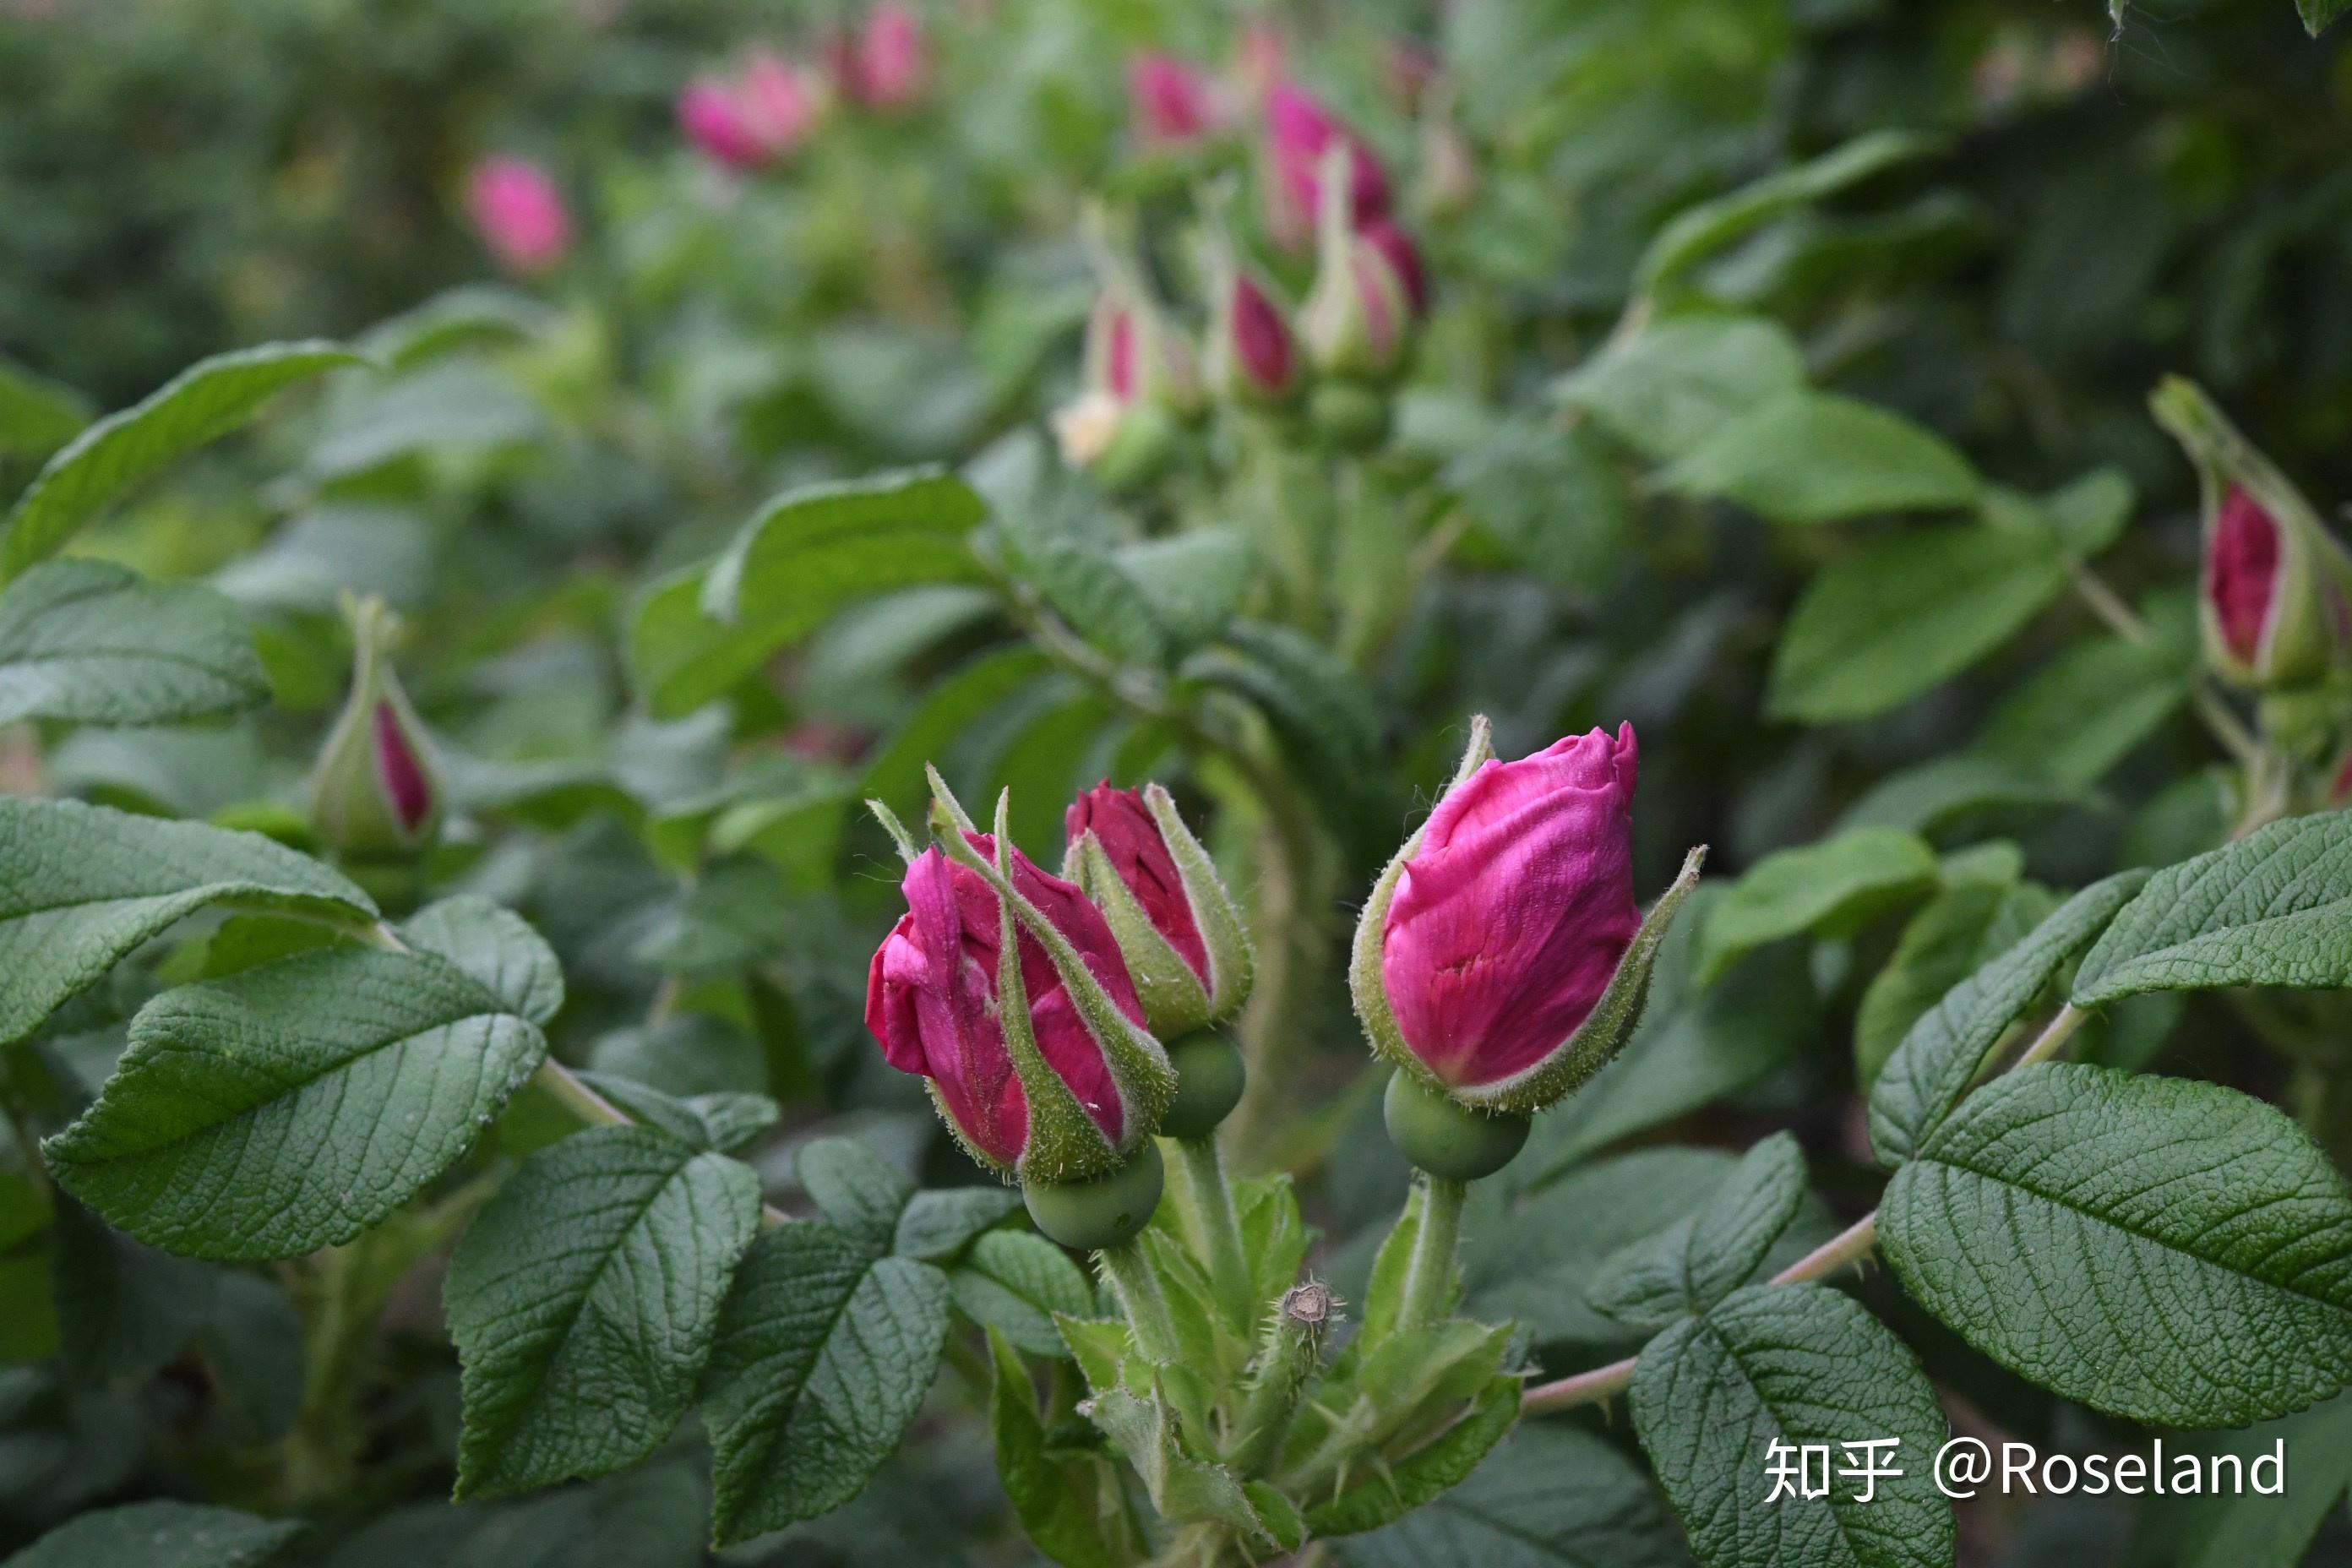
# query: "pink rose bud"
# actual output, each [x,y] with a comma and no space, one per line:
[1301,135]
[1502,958]
[1403,258]
[1141,380]
[780,102]
[889,61]
[1359,311]
[375,792]
[1182,939]
[713,117]
[1043,1070]
[1171,103]
[520,213]
[2274,604]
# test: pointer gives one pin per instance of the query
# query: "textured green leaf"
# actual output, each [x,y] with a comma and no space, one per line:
[1953,935]
[862,1194]
[291,1106]
[1015,1281]
[824,1354]
[1401,1486]
[2172,1252]
[1068,1499]
[941,1221]
[2273,909]
[202,403]
[2086,709]
[1942,1053]
[162,1535]
[1550,1497]
[723,1121]
[81,886]
[1667,390]
[1795,1364]
[583,1300]
[805,555]
[1830,886]
[495,947]
[1703,1258]
[1904,614]
[1811,456]
[91,643]
[37,415]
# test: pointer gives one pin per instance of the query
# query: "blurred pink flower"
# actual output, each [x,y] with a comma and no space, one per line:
[1300,130]
[759,116]
[1169,100]
[519,212]
[712,115]
[887,65]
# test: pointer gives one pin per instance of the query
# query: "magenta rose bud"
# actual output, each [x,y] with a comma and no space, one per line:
[1396,248]
[1300,135]
[713,118]
[375,792]
[780,102]
[520,213]
[1034,1067]
[1502,958]
[1171,103]
[889,61]
[1175,924]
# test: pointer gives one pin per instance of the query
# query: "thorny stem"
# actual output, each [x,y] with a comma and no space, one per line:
[1211,1199]
[1849,1246]
[1138,1288]
[1429,1274]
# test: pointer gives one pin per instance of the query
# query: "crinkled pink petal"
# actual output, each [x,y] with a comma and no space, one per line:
[2242,571]
[1139,857]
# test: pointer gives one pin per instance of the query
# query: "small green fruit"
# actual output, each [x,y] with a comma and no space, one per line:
[1446,1138]
[1209,1080]
[1101,1211]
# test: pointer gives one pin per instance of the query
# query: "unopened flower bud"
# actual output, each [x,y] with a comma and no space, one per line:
[1140,382]
[1176,926]
[1171,103]
[2274,600]
[887,63]
[1301,136]
[520,213]
[376,792]
[1359,313]
[1250,356]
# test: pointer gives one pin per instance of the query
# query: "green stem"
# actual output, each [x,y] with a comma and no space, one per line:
[1429,1274]
[1137,1288]
[1279,1376]
[1211,1200]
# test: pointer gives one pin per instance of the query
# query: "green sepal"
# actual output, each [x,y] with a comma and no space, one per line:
[1223,933]
[350,806]
[1175,1002]
[1065,1144]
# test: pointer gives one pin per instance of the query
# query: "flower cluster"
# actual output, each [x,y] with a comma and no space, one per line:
[765,110]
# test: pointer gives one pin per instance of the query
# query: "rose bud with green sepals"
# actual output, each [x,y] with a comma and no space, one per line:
[1501,960]
[1183,941]
[1251,359]
[2275,600]
[1361,308]
[1171,101]
[376,792]
[1141,385]
[1301,137]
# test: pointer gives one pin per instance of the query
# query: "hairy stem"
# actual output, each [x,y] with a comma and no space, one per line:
[1137,1288]
[1211,1201]
[1287,1359]
[1429,1274]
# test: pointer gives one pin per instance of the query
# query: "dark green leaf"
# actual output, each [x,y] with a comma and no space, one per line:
[1811,456]
[1686,1268]
[1668,389]
[91,643]
[1832,885]
[862,1194]
[1954,934]
[162,1535]
[2087,708]
[1015,1281]
[1068,1499]
[723,1122]
[940,1223]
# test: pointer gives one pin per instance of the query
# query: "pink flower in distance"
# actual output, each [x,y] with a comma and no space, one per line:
[780,102]
[887,65]
[1403,257]
[1298,131]
[1511,917]
[519,212]
[713,117]
[1171,101]
[932,1000]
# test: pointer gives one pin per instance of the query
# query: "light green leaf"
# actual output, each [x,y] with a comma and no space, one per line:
[1792,1364]
[202,403]
[1400,1486]
[2273,909]
[723,1122]
[1942,1053]
[470,316]
[1697,232]
[1954,934]
[163,1535]
[1832,885]
[2172,1252]
[941,1221]
[37,415]
[1667,390]
[1686,1268]
[1934,795]
[1906,613]
[1811,456]
[81,886]
[861,1195]
[805,555]
[291,1106]
[91,643]
[824,1354]
[583,1300]
[2087,708]
[1185,1489]
[1550,1497]
[1067,1498]
[1013,1281]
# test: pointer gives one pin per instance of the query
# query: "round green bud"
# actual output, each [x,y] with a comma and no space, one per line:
[1209,1080]
[1444,1137]
[1347,416]
[1100,1211]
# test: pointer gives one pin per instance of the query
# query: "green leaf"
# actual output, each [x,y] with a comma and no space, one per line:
[81,886]
[1812,457]
[939,1223]
[91,643]
[1687,1268]
[37,415]
[1323,716]
[1942,1053]
[583,1300]
[950,708]
[1667,390]
[1013,1281]
[122,1310]
[1793,1365]
[1399,1487]
[291,1106]
[1185,1489]
[2269,910]
[162,1535]
[824,1354]
[1193,581]
[723,1122]
[2172,1252]
[1954,934]
[1697,232]
[2250,1530]
[2087,708]
[470,316]
[1548,496]
[202,403]
[1933,795]
[1906,613]
[861,1195]
[802,557]
[1067,1498]
[2318,15]
[1550,1497]
[1832,886]
[495,947]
